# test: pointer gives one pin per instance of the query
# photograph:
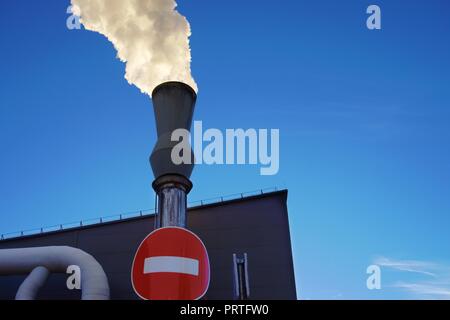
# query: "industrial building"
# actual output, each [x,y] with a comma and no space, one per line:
[254,226]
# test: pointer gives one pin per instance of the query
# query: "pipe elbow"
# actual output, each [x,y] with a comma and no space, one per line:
[94,282]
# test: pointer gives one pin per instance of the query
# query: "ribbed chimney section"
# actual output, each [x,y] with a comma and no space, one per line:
[173,104]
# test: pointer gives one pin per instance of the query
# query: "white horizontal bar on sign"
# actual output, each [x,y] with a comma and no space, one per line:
[172,265]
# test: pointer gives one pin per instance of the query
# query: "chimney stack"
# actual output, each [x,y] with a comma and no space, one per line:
[173,104]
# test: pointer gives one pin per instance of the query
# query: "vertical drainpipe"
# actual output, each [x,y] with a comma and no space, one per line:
[173,104]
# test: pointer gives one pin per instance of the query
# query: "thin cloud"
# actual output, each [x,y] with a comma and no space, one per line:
[432,290]
[422,267]
[438,287]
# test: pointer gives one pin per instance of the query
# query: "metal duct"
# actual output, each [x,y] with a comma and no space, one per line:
[94,283]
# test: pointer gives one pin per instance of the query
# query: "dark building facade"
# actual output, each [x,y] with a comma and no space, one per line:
[256,225]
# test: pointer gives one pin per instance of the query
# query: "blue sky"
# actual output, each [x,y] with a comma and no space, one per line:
[363,118]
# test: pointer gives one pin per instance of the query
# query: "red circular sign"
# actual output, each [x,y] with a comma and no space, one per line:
[171,264]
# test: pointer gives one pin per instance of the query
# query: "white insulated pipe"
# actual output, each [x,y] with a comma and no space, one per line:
[30,287]
[94,283]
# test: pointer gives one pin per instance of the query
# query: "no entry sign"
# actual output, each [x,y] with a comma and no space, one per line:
[171,264]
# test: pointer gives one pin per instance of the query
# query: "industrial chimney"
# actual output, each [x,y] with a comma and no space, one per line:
[173,104]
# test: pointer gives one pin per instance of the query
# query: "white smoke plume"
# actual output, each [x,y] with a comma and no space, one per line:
[150,36]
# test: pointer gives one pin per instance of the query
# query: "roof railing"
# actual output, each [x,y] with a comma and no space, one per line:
[129,215]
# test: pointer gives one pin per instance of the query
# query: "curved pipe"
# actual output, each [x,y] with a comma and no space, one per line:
[94,283]
[30,287]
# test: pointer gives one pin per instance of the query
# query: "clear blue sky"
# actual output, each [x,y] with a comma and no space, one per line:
[363,118]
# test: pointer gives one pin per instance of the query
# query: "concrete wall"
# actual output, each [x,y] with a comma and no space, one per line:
[256,225]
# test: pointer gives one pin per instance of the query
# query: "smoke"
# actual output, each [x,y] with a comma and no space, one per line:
[150,36]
